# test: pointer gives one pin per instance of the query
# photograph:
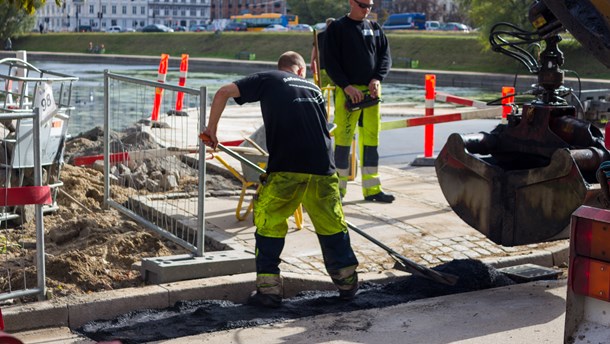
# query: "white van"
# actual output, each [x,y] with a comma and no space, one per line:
[433,25]
[114,29]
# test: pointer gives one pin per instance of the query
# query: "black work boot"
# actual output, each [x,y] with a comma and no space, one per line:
[349,294]
[265,300]
[381,197]
[268,291]
[348,286]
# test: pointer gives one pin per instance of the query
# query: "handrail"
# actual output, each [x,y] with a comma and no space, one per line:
[9,60]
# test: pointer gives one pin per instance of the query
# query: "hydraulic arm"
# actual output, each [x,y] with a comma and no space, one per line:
[520,183]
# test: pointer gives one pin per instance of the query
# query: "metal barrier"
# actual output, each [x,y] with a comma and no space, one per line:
[142,157]
[25,88]
[13,197]
[481,111]
[146,176]
[34,112]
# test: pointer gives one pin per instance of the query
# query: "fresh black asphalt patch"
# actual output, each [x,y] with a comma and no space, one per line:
[195,317]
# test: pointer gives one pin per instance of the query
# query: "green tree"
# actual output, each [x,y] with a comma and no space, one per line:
[316,11]
[14,20]
[484,14]
[30,5]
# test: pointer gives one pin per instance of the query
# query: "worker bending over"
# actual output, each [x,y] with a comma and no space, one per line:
[300,169]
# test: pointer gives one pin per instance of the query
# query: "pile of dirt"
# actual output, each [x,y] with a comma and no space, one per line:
[89,248]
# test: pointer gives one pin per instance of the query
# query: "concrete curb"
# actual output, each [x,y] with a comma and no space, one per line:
[74,312]
[555,256]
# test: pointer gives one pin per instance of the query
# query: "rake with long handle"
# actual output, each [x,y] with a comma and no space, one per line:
[404,263]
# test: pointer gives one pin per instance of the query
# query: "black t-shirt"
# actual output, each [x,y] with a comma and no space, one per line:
[356,52]
[295,121]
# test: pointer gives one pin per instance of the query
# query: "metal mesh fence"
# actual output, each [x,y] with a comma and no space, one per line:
[153,169]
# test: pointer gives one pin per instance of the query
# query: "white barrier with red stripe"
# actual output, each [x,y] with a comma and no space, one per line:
[489,113]
[482,111]
[448,98]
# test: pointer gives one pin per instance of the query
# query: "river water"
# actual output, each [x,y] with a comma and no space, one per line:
[88,92]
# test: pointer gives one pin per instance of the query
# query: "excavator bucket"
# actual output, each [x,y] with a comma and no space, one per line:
[511,207]
[520,183]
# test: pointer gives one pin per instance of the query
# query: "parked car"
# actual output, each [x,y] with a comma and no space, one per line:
[157,28]
[179,28]
[301,27]
[84,28]
[130,29]
[198,28]
[433,25]
[114,29]
[451,26]
[234,26]
[275,28]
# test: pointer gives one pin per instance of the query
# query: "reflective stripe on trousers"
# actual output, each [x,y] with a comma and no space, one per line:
[277,200]
[368,121]
[269,284]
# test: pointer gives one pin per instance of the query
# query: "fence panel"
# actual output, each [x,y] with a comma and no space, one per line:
[148,174]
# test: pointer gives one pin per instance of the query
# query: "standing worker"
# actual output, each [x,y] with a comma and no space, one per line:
[317,59]
[300,170]
[357,57]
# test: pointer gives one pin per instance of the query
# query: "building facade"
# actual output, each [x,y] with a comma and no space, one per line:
[98,15]
[180,12]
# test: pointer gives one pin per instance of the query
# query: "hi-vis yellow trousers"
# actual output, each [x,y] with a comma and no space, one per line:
[279,196]
[368,121]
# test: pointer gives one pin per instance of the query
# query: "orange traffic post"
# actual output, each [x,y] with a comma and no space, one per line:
[184,66]
[159,91]
[429,106]
[508,97]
